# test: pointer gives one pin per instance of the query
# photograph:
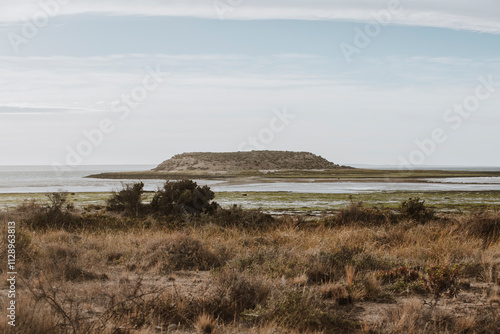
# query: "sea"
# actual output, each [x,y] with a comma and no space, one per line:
[44,179]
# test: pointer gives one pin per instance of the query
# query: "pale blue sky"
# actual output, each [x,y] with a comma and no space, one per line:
[223,79]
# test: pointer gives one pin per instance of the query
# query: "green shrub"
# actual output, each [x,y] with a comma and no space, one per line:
[127,200]
[183,197]
[414,208]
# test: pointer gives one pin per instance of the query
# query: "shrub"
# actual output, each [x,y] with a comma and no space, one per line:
[305,311]
[396,274]
[178,252]
[235,292]
[32,317]
[61,263]
[205,324]
[414,208]
[248,219]
[56,214]
[441,279]
[356,213]
[325,265]
[25,249]
[272,261]
[485,225]
[403,280]
[127,200]
[183,197]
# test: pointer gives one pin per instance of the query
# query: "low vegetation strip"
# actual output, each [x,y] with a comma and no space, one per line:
[287,175]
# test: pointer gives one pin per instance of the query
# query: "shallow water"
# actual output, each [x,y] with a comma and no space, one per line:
[480,180]
[42,179]
[355,187]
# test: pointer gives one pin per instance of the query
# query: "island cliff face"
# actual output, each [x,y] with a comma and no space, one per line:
[241,161]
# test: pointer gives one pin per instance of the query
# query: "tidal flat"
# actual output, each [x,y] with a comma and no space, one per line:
[300,202]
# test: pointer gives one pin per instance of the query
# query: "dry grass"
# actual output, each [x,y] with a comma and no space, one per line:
[205,324]
[176,251]
[212,278]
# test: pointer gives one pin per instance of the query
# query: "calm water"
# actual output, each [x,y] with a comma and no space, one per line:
[40,179]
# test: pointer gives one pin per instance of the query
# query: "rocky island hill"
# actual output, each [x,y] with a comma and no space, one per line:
[233,164]
[285,166]
[245,161]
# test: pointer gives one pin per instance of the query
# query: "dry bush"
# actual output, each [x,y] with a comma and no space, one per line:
[60,215]
[356,213]
[205,324]
[274,262]
[410,317]
[32,317]
[231,292]
[484,225]
[56,214]
[67,311]
[443,279]
[326,266]
[177,252]
[321,271]
[337,292]
[305,311]
[373,288]
[413,317]
[25,250]
[61,262]
[128,200]
[245,219]
[227,295]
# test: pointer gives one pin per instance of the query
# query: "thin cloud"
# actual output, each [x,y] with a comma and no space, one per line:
[478,15]
[34,109]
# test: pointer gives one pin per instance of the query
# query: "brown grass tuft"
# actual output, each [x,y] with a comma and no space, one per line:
[177,252]
[205,324]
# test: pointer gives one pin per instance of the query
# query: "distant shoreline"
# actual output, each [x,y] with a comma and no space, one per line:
[335,175]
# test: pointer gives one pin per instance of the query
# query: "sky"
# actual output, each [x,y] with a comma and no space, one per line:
[408,83]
